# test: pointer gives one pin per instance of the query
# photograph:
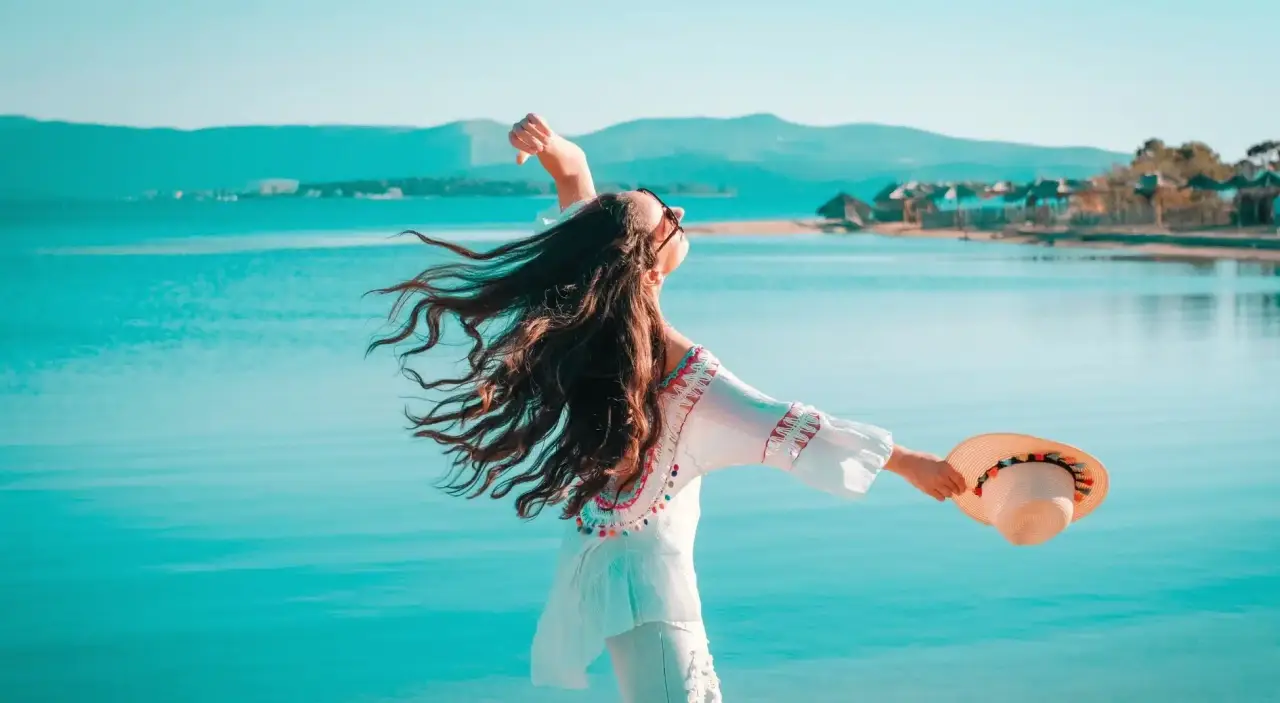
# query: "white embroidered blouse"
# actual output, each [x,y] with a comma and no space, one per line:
[628,560]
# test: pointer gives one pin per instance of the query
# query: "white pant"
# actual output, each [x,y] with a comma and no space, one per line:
[663,662]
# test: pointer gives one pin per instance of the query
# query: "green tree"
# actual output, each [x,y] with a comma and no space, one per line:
[1153,179]
[1149,149]
[1265,154]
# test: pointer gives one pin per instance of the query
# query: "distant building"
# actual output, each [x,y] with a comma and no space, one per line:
[847,209]
[276,186]
[393,193]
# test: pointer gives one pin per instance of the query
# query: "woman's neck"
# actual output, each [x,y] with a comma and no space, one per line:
[678,346]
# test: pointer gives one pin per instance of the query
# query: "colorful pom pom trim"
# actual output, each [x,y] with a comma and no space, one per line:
[660,480]
[609,529]
[1078,469]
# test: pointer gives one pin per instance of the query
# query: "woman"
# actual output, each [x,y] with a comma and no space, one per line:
[577,394]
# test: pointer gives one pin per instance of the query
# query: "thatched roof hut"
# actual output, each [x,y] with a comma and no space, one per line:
[1074,186]
[1203,182]
[847,209]
[1266,179]
[1241,181]
[882,196]
[1237,182]
[1152,182]
[1044,189]
[912,190]
[956,192]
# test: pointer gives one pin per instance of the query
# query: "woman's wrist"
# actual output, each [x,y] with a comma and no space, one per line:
[932,475]
[562,158]
[900,459]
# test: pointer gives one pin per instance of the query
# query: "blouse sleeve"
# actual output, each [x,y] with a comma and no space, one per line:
[735,424]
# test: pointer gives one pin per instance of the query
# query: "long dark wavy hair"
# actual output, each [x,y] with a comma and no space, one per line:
[561,392]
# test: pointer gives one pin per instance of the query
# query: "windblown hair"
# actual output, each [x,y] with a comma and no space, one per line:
[567,353]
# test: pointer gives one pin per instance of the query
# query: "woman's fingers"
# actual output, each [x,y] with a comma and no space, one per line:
[537,126]
[521,155]
[526,142]
[949,480]
[944,487]
[529,136]
[931,490]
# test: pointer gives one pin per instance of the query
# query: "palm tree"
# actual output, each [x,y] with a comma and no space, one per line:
[1150,149]
[1266,152]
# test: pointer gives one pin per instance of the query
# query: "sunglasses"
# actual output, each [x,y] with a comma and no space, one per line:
[667,214]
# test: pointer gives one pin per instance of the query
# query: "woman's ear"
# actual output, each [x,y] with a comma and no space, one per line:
[653,277]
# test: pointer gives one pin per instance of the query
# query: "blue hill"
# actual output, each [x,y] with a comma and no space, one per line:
[751,153]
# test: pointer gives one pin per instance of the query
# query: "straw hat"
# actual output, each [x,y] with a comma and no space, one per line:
[1028,488]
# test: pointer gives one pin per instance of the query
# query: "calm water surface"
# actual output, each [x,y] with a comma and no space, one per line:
[206,493]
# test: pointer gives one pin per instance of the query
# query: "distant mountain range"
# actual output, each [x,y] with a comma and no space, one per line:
[752,154]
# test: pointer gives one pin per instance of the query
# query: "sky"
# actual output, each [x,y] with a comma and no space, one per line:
[1106,73]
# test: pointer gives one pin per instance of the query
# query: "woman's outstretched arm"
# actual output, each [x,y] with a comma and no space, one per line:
[563,160]
[734,424]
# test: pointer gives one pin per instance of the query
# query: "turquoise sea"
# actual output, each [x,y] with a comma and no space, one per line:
[207,495]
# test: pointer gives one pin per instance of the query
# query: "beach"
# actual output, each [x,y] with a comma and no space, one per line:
[1198,246]
[760,227]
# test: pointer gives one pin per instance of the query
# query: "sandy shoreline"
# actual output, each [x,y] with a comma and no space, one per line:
[1209,245]
[745,227]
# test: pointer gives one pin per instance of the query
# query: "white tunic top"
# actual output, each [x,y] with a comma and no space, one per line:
[629,561]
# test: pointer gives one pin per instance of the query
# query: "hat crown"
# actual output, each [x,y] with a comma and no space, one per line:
[1031,502]
[1050,484]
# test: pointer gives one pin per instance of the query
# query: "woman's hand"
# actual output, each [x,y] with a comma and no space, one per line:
[530,137]
[931,475]
[563,160]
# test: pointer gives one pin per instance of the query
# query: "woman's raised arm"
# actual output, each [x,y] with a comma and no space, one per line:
[564,160]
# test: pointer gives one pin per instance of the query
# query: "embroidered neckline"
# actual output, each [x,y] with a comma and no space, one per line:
[625,500]
[657,483]
[680,368]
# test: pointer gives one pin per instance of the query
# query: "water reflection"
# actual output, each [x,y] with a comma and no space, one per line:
[1258,314]
[1204,315]
[1196,265]
[1258,269]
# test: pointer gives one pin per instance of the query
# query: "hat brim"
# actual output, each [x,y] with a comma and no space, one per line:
[977,455]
